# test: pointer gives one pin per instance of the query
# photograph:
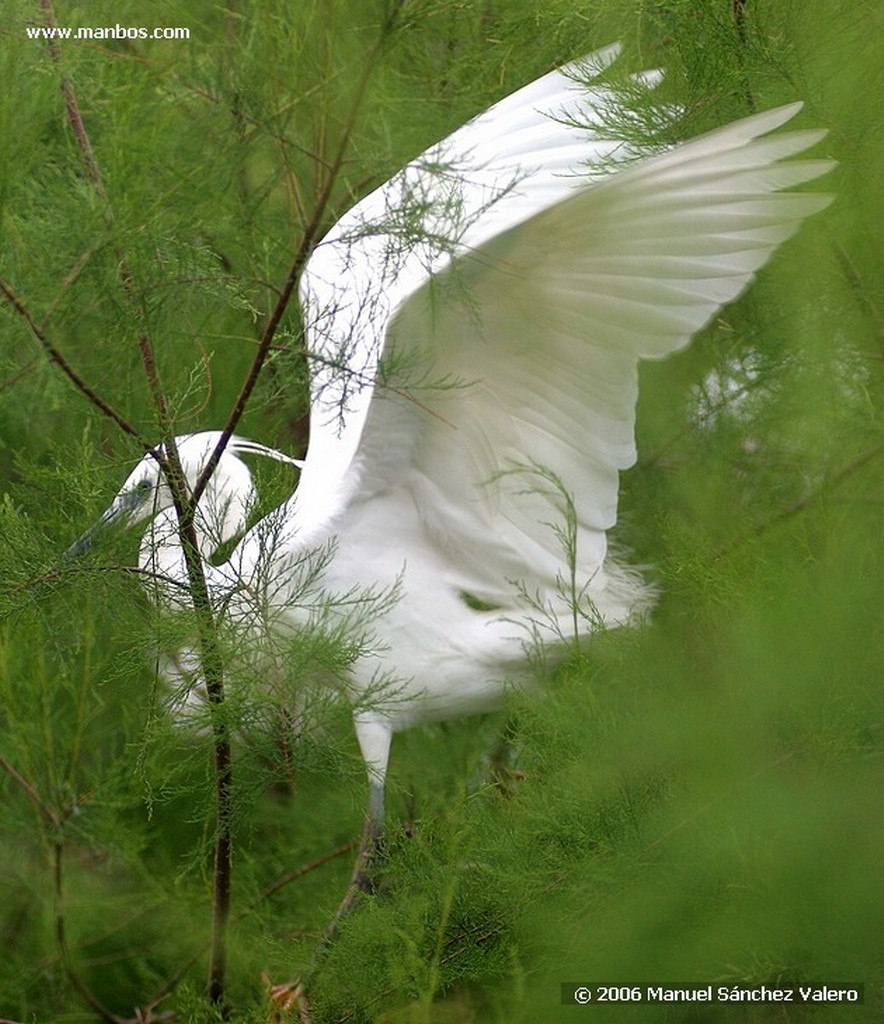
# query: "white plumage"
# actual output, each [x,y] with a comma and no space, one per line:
[474,328]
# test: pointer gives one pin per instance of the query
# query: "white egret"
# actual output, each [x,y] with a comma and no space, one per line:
[222,514]
[474,328]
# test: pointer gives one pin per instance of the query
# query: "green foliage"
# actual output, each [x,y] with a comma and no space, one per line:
[700,799]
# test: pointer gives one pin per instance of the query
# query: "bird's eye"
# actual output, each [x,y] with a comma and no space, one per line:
[140,492]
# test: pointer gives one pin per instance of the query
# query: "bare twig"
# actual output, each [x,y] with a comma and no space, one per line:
[739,9]
[74,115]
[23,371]
[185,508]
[59,360]
[66,284]
[308,240]
[293,876]
[828,484]
[739,13]
[274,887]
[48,812]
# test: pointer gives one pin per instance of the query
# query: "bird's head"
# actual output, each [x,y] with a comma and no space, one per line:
[223,506]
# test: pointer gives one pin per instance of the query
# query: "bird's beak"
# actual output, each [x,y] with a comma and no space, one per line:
[119,511]
[84,543]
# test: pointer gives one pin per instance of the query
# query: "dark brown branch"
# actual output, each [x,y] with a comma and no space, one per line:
[74,116]
[739,14]
[270,890]
[305,869]
[59,360]
[308,240]
[48,813]
[739,9]
[61,940]
[185,508]
[213,673]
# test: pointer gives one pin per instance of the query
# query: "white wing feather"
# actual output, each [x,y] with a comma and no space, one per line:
[476,322]
[498,170]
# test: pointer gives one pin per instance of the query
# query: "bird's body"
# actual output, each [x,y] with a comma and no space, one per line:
[474,328]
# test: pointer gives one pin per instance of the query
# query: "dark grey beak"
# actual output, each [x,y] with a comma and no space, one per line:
[85,543]
[118,512]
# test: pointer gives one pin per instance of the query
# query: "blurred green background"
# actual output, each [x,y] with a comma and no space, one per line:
[700,799]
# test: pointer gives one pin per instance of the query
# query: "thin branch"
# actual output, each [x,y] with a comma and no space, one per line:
[67,282]
[293,876]
[70,568]
[19,374]
[271,890]
[185,508]
[59,360]
[828,484]
[305,248]
[74,116]
[854,279]
[213,673]
[739,11]
[61,940]
[177,282]
[48,813]
[739,14]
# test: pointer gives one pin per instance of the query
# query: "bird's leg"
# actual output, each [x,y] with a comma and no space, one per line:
[362,880]
[374,741]
[503,775]
[370,852]
[371,846]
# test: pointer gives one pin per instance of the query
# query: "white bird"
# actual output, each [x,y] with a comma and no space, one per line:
[222,514]
[474,328]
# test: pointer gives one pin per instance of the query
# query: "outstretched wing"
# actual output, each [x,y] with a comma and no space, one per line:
[509,290]
[507,164]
